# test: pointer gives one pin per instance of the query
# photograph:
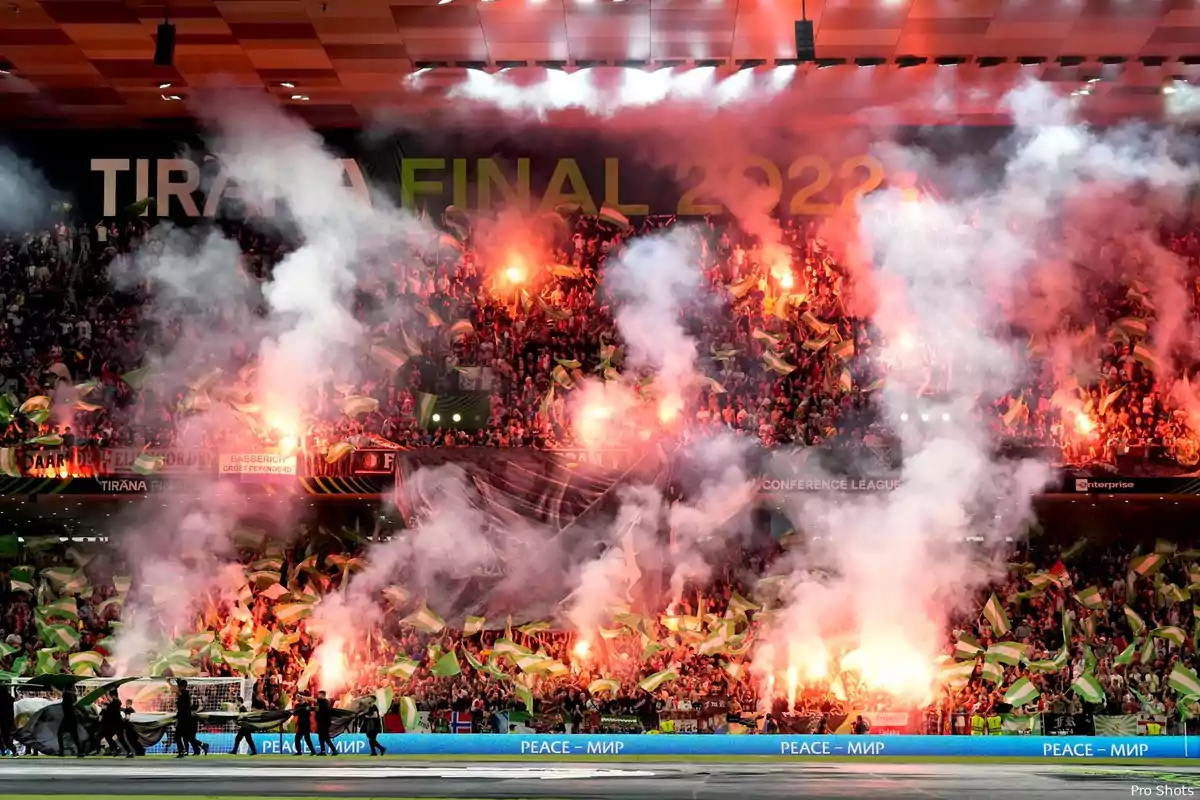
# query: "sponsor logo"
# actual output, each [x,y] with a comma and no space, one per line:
[786,485]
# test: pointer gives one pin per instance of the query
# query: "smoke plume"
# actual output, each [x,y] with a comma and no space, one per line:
[254,355]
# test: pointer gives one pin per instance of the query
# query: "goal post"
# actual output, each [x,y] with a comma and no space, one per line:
[154,698]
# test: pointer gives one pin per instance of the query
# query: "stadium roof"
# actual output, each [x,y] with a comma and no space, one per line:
[90,62]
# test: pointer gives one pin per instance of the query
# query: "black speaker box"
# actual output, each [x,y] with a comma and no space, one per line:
[164,48]
[806,44]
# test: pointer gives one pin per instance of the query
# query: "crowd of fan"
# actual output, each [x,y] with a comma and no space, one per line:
[61,307]
[718,688]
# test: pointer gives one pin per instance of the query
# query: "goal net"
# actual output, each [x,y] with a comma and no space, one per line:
[154,698]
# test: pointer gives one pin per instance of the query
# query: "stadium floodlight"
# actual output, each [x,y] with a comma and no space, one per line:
[436,417]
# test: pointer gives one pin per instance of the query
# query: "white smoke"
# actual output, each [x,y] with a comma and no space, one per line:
[887,571]
[650,284]
[25,196]
[212,305]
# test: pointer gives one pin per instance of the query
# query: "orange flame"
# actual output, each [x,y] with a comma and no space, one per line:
[334,665]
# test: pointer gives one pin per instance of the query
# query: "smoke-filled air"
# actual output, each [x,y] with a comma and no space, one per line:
[578,496]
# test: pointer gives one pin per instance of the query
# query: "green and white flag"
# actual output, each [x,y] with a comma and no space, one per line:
[1041,580]
[446,667]
[85,663]
[60,637]
[956,675]
[64,579]
[424,620]
[1171,633]
[507,647]
[715,643]
[1183,680]
[1088,624]
[63,608]
[1125,657]
[967,647]
[1088,688]
[994,613]
[1172,594]
[473,625]
[992,671]
[776,364]
[409,715]
[289,613]
[10,462]
[534,628]
[1009,653]
[532,663]
[601,685]
[47,662]
[1136,623]
[523,694]
[651,683]
[1147,565]
[403,667]
[49,440]
[1147,653]
[147,464]
[1091,598]
[738,606]
[1021,693]
[1055,664]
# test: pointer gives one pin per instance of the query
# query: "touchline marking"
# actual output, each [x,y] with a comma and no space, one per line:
[76,771]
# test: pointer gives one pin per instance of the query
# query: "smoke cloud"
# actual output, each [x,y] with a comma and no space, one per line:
[25,196]
[256,355]
[884,574]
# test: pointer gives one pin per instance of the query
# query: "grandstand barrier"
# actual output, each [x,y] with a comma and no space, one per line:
[1049,748]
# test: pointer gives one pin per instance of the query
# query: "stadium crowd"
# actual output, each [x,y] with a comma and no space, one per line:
[66,325]
[1129,633]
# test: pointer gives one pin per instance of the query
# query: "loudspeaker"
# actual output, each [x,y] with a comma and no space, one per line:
[806,45]
[164,48]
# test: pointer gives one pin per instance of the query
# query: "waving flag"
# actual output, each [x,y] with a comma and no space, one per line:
[1183,680]
[424,620]
[994,613]
[1088,688]
[1021,693]
[651,683]
[1009,653]
[1136,623]
[1091,598]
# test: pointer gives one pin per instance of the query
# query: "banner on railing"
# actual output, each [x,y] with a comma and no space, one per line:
[1067,724]
[373,462]
[1117,725]
[1041,748]
[172,461]
[257,464]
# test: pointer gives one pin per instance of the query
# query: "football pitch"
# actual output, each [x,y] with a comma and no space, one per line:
[405,778]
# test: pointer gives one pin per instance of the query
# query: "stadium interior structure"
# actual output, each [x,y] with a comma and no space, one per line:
[598,367]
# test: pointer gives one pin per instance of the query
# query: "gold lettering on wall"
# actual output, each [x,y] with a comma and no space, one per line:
[490,174]
[411,187]
[612,190]
[810,185]
[566,172]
